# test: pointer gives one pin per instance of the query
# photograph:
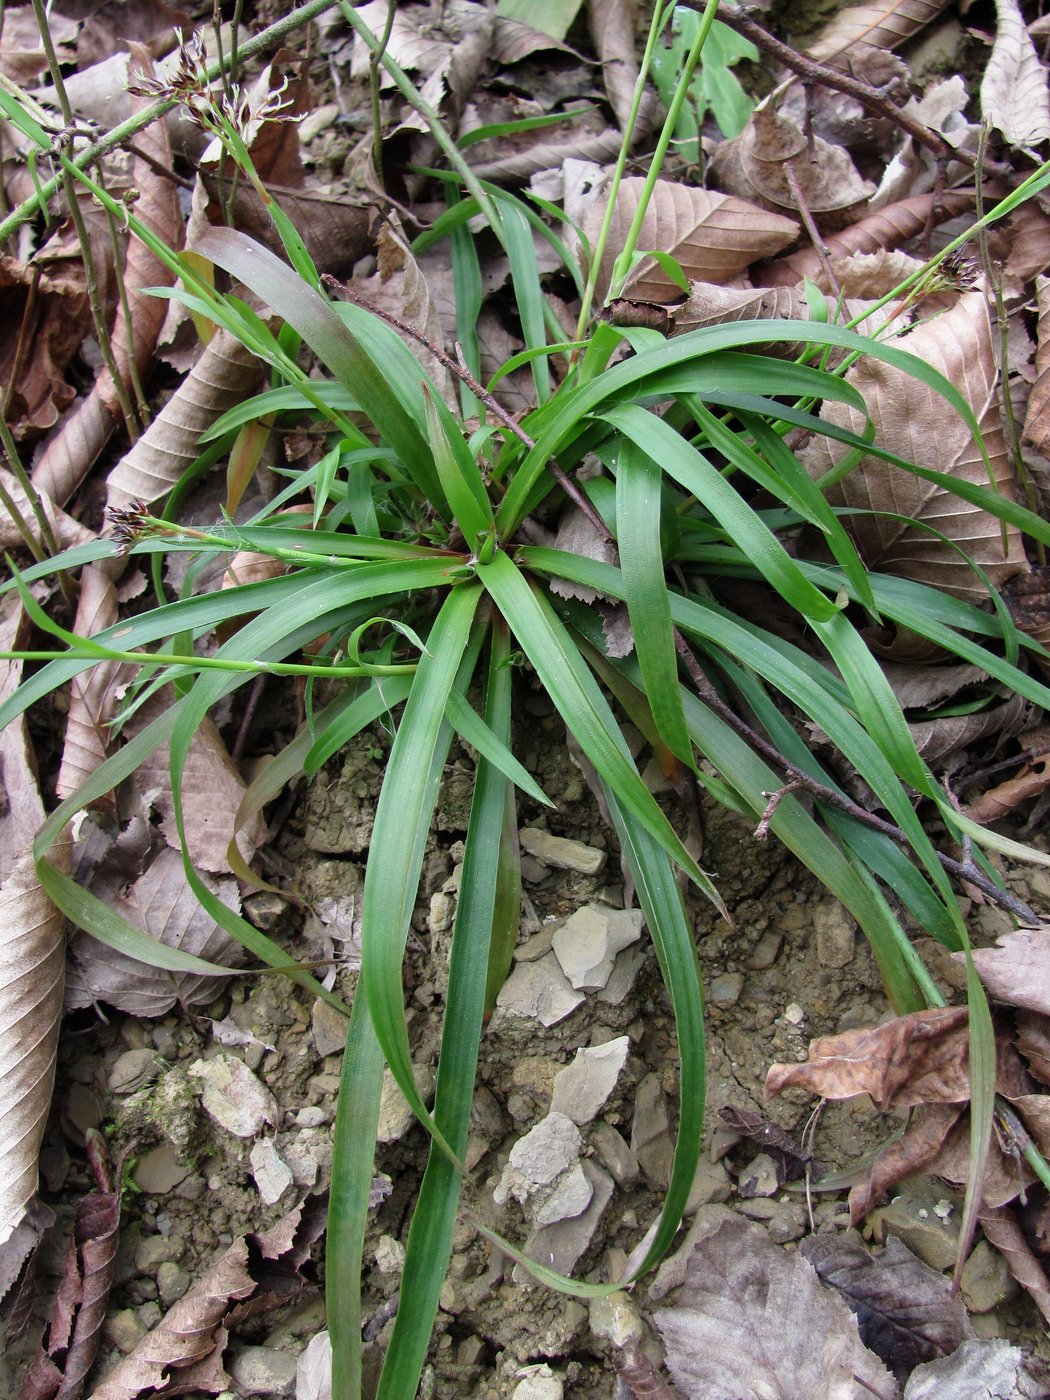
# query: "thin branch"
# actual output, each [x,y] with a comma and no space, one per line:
[798,777]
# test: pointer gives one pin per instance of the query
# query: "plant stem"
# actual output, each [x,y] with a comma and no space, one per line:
[373,89]
[209,663]
[47,535]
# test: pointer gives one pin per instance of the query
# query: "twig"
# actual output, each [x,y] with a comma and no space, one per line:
[459,368]
[811,71]
[962,869]
[815,235]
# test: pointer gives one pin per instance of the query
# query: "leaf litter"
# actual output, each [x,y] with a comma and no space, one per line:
[731,243]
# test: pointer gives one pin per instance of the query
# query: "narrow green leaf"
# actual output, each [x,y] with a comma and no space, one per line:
[469,725]
[460,477]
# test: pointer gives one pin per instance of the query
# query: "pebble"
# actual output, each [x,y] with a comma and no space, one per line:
[615,1319]
[272,1173]
[395,1116]
[766,952]
[711,1183]
[539,1158]
[615,1153]
[912,1217]
[132,1070]
[986,1279]
[582,1088]
[172,1282]
[123,1330]
[789,1222]
[560,853]
[539,990]
[320,119]
[836,934]
[587,943]
[561,1245]
[486,1126]
[759,1178]
[794,1014]
[389,1255]
[540,1384]
[328,1027]
[725,990]
[264,1371]
[233,1096]
[570,1197]
[539,944]
[651,1132]
[159,1171]
[154,1251]
[628,965]
[268,911]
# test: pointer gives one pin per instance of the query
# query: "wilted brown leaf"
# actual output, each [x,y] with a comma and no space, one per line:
[46,319]
[71,1341]
[886,24]
[887,228]
[93,695]
[1037,417]
[906,1311]
[1017,969]
[612,29]
[748,1309]
[1033,1042]
[1030,780]
[22,55]
[977,1370]
[1004,1234]
[916,423]
[713,236]
[1013,90]
[773,153]
[916,1059]
[772,1137]
[161,903]
[912,1153]
[914,168]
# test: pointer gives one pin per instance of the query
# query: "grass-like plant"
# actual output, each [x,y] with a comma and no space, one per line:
[425,524]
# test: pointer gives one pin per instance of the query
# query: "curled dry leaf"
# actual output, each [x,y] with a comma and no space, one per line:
[45,329]
[887,228]
[885,24]
[748,1309]
[224,375]
[913,421]
[22,55]
[93,694]
[714,237]
[1014,96]
[1033,1042]
[977,1370]
[911,1154]
[67,531]
[773,157]
[1017,969]
[70,452]
[161,903]
[1003,1233]
[612,29]
[1037,418]
[1031,780]
[916,1059]
[914,168]
[1029,243]
[544,154]
[906,1311]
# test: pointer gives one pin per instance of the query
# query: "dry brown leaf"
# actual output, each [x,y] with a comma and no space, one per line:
[1037,418]
[1014,98]
[21,809]
[22,55]
[937,739]
[68,1350]
[887,228]
[1003,1233]
[191,1333]
[160,903]
[911,1154]
[32,965]
[93,694]
[515,391]
[1029,242]
[916,423]
[916,1059]
[1005,1177]
[447,44]
[977,1370]
[70,452]
[773,150]
[748,1309]
[713,236]
[1030,781]
[886,24]
[914,169]
[67,531]
[1033,1042]
[547,154]
[1017,969]
[612,29]
[512,41]
[906,1310]
[225,374]
[43,332]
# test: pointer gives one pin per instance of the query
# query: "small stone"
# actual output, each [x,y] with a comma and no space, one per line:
[910,1216]
[272,1174]
[389,1255]
[539,990]
[651,1132]
[725,990]
[395,1116]
[711,1183]
[328,1027]
[442,912]
[320,119]
[758,1208]
[233,1096]
[766,951]
[628,965]
[532,872]
[587,943]
[571,1196]
[309,1155]
[539,944]
[561,1245]
[172,1282]
[268,911]
[264,1371]
[655,779]
[560,853]
[539,1158]
[836,934]
[986,1279]
[159,1171]
[123,1330]
[759,1178]
[793,1014]
[312,1116]
[153,1251]
[133,1070]
[582,1088]
[615,1153]
[788,1222]
[486,1126]
[540,1384]
[615,1319]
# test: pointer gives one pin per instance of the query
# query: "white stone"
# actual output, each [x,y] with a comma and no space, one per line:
[539,990]
[272,1173]
[560,853]
[540,1384]
[587,943]
[233,1096]
[581,1089]
[570,1197]
[539,1158]
[395,1116]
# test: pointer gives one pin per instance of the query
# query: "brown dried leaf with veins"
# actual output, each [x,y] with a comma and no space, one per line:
[1014,97]
[546,153]
[912,1153]
[47,326]
[1017,969]
[756,165]
[22,55]
[910,1060]
[612,29]
[93,694]
[1033,1042]
[70,453]
[714,237]
[160,903]
[1037,419]
[1031,780]
[1029,255]
[885,24]
[66,530]
[1003,1233]
[749,1309]
[887,228]
[916,423]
